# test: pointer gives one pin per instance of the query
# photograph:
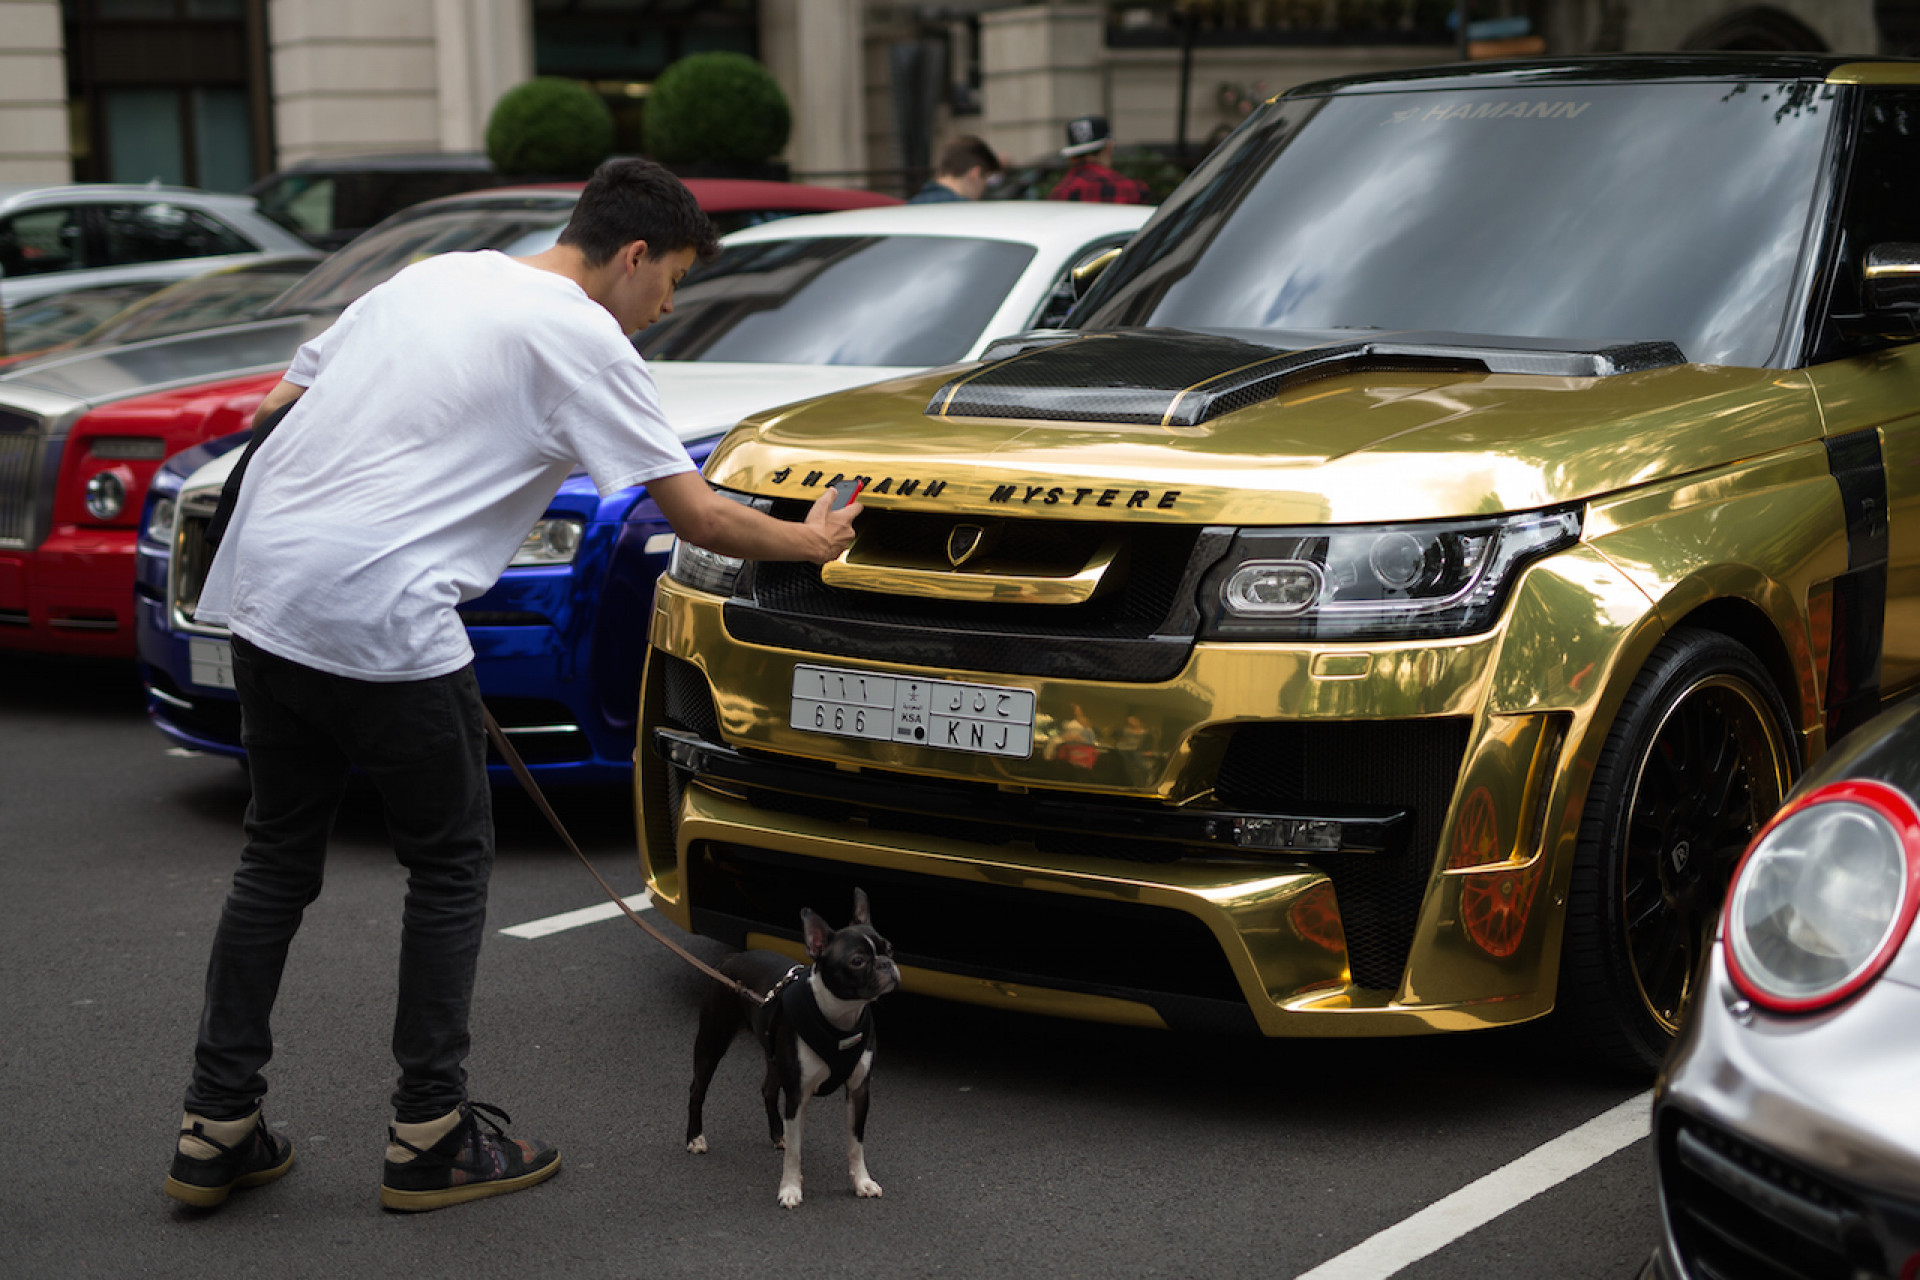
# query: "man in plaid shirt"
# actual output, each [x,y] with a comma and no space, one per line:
[1092,178]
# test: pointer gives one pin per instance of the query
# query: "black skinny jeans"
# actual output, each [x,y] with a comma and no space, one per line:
[423,744]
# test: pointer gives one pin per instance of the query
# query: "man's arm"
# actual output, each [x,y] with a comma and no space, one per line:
[708,520]
[284,392]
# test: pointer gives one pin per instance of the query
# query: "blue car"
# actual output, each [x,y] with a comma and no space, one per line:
[555,640]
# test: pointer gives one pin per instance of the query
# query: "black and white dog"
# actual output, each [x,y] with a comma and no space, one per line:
[816,1030]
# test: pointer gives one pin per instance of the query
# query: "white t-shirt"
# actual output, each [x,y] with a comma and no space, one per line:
[443,410]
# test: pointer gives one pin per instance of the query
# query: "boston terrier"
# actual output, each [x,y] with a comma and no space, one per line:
[816,1030]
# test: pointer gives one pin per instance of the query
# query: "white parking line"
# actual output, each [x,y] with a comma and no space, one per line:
[1478,1203]
[574,919]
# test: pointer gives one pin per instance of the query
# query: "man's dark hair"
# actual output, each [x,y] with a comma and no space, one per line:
[630,199]
[965,153]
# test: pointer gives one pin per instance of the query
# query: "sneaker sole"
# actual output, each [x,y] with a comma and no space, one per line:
[421,1201]
[214,1197]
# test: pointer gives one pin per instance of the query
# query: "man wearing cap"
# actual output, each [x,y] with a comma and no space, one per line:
[1090,145]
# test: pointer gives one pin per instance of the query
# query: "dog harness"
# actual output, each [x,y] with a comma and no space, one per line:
[840,1050]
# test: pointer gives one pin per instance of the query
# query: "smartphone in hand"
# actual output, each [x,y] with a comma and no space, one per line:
[845,491]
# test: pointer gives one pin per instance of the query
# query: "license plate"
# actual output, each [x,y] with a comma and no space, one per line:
[985,719]
[212,663]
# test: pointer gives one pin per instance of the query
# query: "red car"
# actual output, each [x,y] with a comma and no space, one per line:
[82,430]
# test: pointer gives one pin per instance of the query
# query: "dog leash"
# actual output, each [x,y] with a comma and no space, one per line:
[532,788]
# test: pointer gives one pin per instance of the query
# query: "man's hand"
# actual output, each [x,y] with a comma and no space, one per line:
[708,520]
[835,527]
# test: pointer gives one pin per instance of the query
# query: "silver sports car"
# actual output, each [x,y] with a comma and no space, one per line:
[1787,1119]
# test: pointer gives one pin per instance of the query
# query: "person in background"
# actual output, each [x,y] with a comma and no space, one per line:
[967,165]
[1092,177]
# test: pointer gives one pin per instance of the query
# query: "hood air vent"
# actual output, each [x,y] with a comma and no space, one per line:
[1177,379]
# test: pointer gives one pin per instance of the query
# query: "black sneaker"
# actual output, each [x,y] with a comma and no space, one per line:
[255,1160]
[467,1164]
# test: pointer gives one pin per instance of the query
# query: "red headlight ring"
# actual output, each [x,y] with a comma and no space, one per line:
[1891,804]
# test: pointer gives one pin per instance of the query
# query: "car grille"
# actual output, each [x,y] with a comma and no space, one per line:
[19,442]
[1139,631]
[1412,764]
[1738,1212]
[192,555]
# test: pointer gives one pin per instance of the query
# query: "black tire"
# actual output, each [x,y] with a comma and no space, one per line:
[1700,755]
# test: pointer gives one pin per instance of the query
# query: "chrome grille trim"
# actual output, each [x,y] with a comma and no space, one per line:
[21,445]
[187,566]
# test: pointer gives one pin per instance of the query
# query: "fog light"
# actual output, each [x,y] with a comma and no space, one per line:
[1273,588]
[1312,835]
[106,495]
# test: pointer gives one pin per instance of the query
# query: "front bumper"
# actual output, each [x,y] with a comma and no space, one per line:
[73,594]
[1141,879]
[1789,1147]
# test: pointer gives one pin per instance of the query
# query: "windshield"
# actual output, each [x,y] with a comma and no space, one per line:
[380,254]
[203,302]
[1584,213]
[858,300]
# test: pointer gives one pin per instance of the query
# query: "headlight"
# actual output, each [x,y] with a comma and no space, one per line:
[549,542]
[705,570]
[1444,578]
[1824,897]
[160,521]
[106,495]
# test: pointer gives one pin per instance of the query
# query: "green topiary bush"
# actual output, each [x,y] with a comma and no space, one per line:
[716,108]
[551,127]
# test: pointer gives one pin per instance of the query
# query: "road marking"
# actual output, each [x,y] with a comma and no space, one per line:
[1480,1202]
[574,919]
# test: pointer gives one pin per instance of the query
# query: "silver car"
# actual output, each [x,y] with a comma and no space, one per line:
[53,239]
[1787,1119]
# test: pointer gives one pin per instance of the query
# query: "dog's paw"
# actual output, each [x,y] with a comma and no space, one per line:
[866,1187]
[789,1195]
[698,1146]
[779,1144]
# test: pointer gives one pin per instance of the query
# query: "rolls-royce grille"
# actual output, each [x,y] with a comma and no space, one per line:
[1738,1212]
[19,442]
[192,553]
[1405,763]
[1139,630]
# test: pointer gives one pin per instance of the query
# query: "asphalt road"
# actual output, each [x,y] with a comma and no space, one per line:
[1007,1146]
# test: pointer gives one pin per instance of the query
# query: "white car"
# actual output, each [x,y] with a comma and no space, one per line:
[805,306]
[83,235]
[788,310]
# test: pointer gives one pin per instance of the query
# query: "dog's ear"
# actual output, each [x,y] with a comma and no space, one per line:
[861,915]
[815,932]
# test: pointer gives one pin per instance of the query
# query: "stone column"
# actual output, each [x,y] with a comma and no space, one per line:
[33,93]
[1040,66]
[485,47]
[354,75]
[824,81]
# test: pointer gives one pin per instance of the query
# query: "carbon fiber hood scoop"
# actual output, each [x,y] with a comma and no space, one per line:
[1175,378]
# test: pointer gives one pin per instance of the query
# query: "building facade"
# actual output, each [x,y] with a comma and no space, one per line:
[218,92]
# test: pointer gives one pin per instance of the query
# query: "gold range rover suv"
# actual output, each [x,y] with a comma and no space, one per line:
[1436,545]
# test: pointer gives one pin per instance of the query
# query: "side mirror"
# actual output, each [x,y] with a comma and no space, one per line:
[1087,272]
[1890,277]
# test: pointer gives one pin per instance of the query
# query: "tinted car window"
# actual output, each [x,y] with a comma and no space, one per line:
[1882,204]
[1575,212]
[380,254]
[860,300]
[63,317]
[160,232]
[40,240]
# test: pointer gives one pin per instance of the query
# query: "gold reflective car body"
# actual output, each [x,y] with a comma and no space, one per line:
[1157,850]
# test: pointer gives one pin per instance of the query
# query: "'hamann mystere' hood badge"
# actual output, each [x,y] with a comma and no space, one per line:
[962,542]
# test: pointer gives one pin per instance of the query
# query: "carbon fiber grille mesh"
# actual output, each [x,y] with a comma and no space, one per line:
[19,439]
[1414,764]
[689,706]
